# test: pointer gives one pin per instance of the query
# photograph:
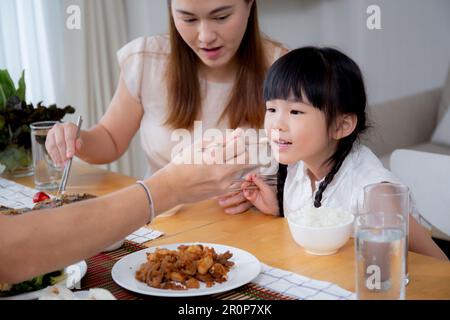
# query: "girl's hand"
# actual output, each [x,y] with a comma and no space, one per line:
[234,203]
[264,197]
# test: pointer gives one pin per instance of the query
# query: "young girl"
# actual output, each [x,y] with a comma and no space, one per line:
[315,113]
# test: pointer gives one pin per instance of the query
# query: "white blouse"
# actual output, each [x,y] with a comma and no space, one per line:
[143,62]
[360,168]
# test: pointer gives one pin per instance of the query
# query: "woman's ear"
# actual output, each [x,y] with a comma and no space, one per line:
[345,125]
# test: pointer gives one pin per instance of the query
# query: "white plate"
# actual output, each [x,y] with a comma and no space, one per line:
[245,269]
[74,272]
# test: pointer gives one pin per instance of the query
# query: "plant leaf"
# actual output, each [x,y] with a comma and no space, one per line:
[7,84]
[21,91]
[2,98]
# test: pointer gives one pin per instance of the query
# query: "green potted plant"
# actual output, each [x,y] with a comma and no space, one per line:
[15,119]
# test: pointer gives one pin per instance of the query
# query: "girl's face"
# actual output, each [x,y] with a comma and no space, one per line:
[297,131]
[213,29]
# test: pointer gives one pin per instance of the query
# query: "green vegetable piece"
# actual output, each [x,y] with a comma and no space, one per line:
[21,91]
[7,84]
[2,98]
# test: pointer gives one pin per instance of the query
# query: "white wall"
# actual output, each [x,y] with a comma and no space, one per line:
[410,54]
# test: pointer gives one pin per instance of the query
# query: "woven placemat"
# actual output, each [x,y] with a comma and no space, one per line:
[99,276]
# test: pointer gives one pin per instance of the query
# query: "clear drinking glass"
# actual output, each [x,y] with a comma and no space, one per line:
[47,175]
[380,245]
[390,198]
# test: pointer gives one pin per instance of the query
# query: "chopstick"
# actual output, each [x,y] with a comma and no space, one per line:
[67,167]
[216,145]
[251,187]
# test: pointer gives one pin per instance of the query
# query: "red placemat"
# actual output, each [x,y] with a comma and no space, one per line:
[99,276]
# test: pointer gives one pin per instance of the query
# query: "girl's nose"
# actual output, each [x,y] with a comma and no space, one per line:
[206,34]
[279,123]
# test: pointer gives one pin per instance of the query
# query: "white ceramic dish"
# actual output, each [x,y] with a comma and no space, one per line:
[247,267]
[321,240]
[74,272]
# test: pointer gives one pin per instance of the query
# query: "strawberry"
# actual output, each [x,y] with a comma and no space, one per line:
[40,196]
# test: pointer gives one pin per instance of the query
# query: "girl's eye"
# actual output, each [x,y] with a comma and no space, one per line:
[270,110]
[190,20]
[296,112]
[222,18]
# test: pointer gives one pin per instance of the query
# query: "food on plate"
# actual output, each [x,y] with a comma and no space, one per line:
[185,267]
[64,199]
[40,196]
[12,212]
[47,203]
[37,283]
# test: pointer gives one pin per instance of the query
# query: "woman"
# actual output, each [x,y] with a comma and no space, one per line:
[46,240]
[210,68]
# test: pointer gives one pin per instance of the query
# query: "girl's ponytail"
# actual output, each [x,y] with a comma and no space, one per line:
[344,148]
[281,179]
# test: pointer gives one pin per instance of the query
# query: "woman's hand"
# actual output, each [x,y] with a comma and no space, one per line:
[234,202]
[264,197]
[62,143]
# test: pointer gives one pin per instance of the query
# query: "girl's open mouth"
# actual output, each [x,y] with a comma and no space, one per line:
[282,144]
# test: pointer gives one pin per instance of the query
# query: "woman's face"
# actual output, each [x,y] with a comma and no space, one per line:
[213,29]
[297,131]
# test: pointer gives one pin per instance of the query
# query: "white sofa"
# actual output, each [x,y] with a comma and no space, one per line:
[406,123]
[430,186]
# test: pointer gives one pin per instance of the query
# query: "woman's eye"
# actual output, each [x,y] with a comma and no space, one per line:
[190,20]
[270,110]
[222,18]
[296,112]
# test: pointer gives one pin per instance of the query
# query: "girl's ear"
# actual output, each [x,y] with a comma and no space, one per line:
[345,125]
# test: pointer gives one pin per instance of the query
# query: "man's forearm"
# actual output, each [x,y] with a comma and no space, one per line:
[47,240]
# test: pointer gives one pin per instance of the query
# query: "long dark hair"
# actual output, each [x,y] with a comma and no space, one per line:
[332,83]
[244,106]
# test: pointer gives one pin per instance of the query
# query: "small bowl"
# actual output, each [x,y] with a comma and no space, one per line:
[114,246]
[321,241]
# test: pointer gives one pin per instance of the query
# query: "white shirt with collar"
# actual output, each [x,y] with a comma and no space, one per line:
[360,168]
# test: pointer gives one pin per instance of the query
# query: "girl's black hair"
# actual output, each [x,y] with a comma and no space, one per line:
[332,83]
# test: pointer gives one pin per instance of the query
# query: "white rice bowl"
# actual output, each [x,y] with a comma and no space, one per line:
[320,231]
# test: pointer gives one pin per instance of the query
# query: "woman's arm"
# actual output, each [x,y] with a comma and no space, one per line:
[48,240]
[104,142]
[109,139]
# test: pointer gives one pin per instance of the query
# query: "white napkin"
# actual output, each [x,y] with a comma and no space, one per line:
[300,287]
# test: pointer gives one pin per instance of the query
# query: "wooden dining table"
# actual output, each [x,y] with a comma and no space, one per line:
[266,237]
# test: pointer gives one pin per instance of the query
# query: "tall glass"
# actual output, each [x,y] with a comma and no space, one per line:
[380,245]
[47,175]
[390,198]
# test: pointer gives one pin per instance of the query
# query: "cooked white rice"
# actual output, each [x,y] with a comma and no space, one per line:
[319,217]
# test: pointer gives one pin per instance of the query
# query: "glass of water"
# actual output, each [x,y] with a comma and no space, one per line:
[391,198]
[47,175]
[380,245]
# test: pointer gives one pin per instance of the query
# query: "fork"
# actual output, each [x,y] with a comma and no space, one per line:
[67,167]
